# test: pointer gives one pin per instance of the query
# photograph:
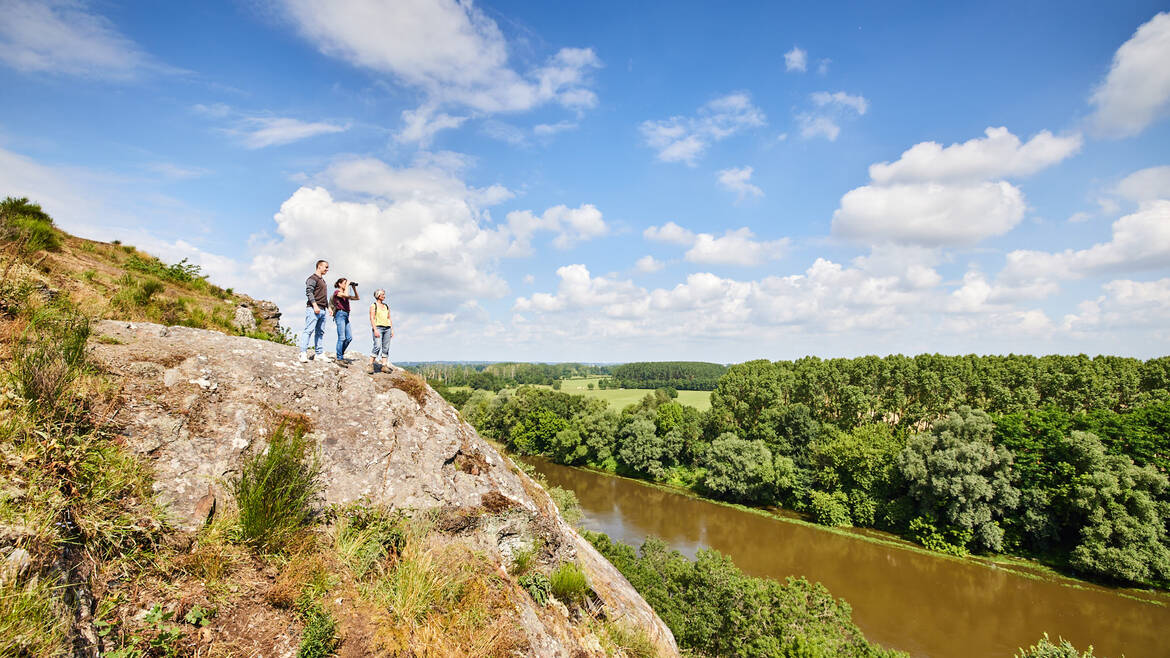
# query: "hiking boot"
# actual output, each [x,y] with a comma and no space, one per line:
[371,368]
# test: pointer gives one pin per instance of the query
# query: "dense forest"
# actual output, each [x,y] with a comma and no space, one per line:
[1059,458]
[679,375]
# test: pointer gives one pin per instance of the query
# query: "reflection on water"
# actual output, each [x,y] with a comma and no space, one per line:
[927,605]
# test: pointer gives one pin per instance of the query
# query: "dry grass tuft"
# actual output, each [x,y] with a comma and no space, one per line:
[412,385]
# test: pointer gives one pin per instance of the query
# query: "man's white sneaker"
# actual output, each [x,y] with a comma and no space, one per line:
[304,357]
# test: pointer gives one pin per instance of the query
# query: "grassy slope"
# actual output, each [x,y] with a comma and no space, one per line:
[618,398]
[100,281]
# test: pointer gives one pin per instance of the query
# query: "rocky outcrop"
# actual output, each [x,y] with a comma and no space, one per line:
[196,401]
[257,314]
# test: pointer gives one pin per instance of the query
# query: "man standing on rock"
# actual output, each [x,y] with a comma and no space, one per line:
[316,310]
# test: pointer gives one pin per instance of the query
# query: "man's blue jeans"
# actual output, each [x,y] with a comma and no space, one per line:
[344,334]
[315,327]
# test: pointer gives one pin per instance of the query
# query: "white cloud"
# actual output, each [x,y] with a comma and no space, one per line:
[671,233]
[796,60]
[61,36]
[813,126]
[936,196]
[1126,305]
[1145,185]
[421,124]
[929,214]
[823,66]
[739,182]
[261,132]
[999,154]
[856,103]
[571,225]
[431,252]
[684,139]
[550,129]
[647,264]
[1137,90]
[1140,241]
[737,247]
[1079,217]
[451,51]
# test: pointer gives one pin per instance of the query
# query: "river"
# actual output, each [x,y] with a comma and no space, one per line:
[924,604]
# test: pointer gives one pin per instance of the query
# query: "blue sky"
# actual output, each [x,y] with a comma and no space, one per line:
[626,181]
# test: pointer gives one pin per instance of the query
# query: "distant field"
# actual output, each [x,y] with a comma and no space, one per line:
[618,398]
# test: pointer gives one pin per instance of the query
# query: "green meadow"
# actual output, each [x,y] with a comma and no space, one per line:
[618,398]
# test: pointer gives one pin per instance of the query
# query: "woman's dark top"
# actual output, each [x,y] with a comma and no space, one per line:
[340,302]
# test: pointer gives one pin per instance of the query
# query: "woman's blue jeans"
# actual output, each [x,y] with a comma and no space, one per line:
[344,334]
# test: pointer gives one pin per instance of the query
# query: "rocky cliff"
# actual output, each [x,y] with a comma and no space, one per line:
[195,402]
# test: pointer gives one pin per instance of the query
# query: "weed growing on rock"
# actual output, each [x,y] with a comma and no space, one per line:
[277,488]
[319,639]
[538,586]
[569,583]
[48,357]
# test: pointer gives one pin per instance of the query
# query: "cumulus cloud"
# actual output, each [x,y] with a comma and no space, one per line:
[738,247]
[550,129]
[64,37]
[929,214]
[1136,92]
[421,124]
[1140,241]
[796,60]
[1126,305]
[647,264]
[1000,154]
[670,233]
[450,51]
[739,182]
[685,139]
[571,225]
[1145,185]
[936,196]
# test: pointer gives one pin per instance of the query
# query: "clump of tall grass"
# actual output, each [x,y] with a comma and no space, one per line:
[569,583]
[364,537]
[277,488]
[48,357]
[29,624]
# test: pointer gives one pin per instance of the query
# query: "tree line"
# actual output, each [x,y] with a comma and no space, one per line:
[679,375]
[498,376]
[1072,474]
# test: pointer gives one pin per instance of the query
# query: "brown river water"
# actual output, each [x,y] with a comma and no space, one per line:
[924,604]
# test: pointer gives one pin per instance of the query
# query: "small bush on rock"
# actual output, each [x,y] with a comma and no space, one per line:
[569,583]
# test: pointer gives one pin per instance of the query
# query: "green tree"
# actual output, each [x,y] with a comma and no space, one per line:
[643,451]
[739,470]
[955,474]
[533,434]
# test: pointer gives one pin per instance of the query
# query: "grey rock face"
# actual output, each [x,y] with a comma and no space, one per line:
[197,401]
[244,320]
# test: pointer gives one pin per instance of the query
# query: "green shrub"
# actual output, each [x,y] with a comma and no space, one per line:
[537,585]
[364,536]
[569,583]
[1046,649]
[276,489]
[567,503]
[830,509]
[27,225]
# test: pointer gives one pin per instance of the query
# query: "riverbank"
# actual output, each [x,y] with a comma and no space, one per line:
[903,596]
